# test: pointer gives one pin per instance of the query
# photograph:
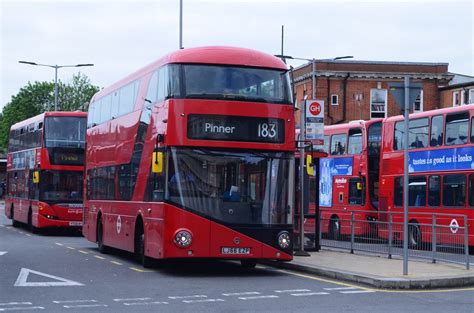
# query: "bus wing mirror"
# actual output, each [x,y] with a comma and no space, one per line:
[36,177]
[309,165]
[157,162]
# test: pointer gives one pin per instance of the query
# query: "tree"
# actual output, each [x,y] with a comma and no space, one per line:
[77,94]
[38,97]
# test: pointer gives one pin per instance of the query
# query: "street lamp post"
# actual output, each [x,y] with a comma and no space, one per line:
[302,150]
[55,76]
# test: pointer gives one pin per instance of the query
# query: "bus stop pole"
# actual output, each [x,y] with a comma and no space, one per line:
[405,178]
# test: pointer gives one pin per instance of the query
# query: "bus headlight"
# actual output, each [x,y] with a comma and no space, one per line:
[183,238]
[284,239]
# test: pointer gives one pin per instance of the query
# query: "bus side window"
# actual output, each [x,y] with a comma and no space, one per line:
[471,190]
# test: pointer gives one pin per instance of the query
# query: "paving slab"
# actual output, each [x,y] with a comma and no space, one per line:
[380,272]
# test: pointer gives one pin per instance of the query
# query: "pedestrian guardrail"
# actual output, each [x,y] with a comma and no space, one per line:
[436,237]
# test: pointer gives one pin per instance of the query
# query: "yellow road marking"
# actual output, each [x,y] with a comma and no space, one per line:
[99,257]
[83,252]
[139,270]
[115,262]
[378,290]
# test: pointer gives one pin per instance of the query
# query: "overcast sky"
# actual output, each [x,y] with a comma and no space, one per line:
[120,37]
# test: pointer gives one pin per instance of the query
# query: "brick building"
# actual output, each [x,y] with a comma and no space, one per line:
[459,91]
[354,90]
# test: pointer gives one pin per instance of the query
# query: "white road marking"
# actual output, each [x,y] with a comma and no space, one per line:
[75,301]
[203,300]
[309,294]
[145,303]
[116,263]
[356,291]
[83,252]
[16,303]
[132,299]
[340,288]
[84,306]
[293,290]
[21,281]
[187,297]
[258,297]
[241,293]
[99,257]
[22,308]
[59,244]
[3,252]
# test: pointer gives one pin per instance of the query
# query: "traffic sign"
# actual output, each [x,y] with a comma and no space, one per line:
[314,122]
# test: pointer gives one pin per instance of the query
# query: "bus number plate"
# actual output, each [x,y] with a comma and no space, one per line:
[232,250]
[75,223]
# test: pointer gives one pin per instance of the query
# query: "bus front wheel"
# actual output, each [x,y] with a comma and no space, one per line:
[145,261]
[414,236]
[31,227]
[248,263]
[12,215]
[100,236]
[335,228]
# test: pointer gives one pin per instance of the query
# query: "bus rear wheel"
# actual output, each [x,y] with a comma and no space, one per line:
[100,236]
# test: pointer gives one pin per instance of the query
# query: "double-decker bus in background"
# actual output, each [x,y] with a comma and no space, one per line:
[441,175]
[193,157]
[349,178]
[45,164]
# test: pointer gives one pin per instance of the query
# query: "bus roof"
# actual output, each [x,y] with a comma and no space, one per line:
[41,117]
[205,55]
[351,124]
[431,113]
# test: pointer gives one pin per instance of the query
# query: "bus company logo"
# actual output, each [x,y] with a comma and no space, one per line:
[341,181]
[119,224]
[454,226]
[315,108]
[237,240]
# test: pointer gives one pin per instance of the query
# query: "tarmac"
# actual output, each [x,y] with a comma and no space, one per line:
[379,271]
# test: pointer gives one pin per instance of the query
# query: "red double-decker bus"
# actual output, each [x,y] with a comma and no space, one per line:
[193,157]
[349,178]
[441,175]
[45,166]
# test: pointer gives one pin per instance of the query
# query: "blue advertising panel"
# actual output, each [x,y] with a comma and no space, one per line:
[328,168]
[441,160]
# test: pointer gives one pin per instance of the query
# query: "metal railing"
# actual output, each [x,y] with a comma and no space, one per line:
[436,237]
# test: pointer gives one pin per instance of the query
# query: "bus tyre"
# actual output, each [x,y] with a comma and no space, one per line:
[100,236]
[12,215]
[31,228]
[145,261]
[414,236]
[335,228]
[248,263]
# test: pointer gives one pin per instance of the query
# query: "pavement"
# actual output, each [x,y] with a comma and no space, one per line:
[380,272]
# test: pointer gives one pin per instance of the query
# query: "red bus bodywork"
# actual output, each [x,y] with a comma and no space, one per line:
[23,203]
[130,221]
[429,169]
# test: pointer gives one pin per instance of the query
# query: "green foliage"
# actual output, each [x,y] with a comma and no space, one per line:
[38,97]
